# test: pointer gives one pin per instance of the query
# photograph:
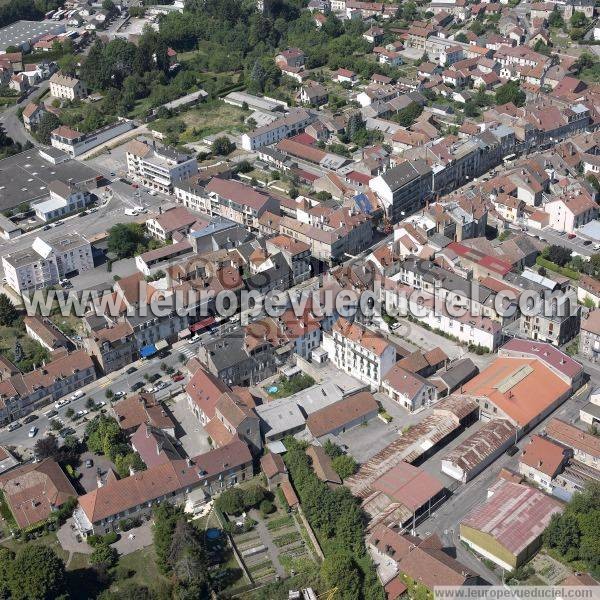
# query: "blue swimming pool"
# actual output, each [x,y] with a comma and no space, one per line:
[273,389]
[213,533]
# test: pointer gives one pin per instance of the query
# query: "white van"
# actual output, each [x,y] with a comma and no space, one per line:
[78,394]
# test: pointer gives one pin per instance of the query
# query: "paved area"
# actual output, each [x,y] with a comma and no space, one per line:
[89,477]
[134,539]
[68,537]
[192,435]
[267,541]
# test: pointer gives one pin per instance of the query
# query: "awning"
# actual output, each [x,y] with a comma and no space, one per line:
[147,351]
[161,344]
[185,333]
[202,324]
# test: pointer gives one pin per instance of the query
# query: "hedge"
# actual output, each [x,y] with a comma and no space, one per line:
[548,264]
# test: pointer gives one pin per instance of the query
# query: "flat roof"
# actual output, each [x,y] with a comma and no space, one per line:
[22,32]
[24,177]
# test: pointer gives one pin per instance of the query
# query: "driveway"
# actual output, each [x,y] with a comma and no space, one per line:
[89,480]
[67,537]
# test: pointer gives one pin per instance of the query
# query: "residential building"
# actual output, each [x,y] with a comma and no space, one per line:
[112,346]
[589,335]
[362,353]
[507,528]
[404,188]
[47,262]
[22,393]
[585,446]
[65,87]
[239,203]
[313,94]
[32,115]
[291,124]
[541,461]
[180,482]
[35,490]
[571,211]
[142,408]
[590,412]
[177,220]
[296,254]
[560,324]
[274,469]
[410,390]
[46,333]
[158,167]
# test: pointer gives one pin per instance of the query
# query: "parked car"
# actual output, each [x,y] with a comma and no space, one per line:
[571,236]
[82,413]
[62,403]
[120,394]
[512,450]
[29,418]
[32,432]
[50,413]
[14,425]
[154,377]
[131,370]
[66,432]
[89,463]
[178,377]
[137,385]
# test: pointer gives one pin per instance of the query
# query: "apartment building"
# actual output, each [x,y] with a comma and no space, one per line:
[404,188]
[362,353]
[558,327]
[45,263]
[292,124]
[173,221]
[542,460]
[237,202]
[296,254]
[571,210]
[65,87]
[410,390]
[23,393]
[187,482]
[158,167]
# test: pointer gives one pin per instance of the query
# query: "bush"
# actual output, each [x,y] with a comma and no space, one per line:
[111,537]
[266,507]
[253,496]
[104,555]
[231,501]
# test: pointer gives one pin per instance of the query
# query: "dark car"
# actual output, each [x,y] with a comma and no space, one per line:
[587,242]
[29,418]
[131,370]
[512,450]
[154,377]
[67,431]
[137,385]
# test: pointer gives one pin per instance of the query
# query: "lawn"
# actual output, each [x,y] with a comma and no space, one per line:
[49,540]
[140,566]
[287,387]
[33,352]
[208,119]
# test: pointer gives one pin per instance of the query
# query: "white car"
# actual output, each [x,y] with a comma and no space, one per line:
[194,339]
[33,432]
[78,394]
[62,403]
[120,394]
[82,413]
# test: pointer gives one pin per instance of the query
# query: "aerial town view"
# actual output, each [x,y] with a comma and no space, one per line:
[300,300]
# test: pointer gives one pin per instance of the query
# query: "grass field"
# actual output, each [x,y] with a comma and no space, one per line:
[208,119]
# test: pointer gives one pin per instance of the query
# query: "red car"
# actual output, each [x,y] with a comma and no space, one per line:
[178,377]
[571,236]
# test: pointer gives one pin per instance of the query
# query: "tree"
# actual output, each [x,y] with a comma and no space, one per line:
[461,37]
[578,20]
[253,496]
[223,146]
[125,238]
[8,313]
[6,559]
[47,447]
[557,254]
[339,570]
[165,519]
[471,109]
[108,5]
[344,466]
[510,92]
[105,556]
[562,533]
[407,116]
[231,501]
[36,573]
[332,449]
[555,19]
[48,123]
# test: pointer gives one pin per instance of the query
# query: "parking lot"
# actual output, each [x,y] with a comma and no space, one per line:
[89,476]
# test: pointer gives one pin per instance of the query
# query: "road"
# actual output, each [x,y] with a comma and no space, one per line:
[117,381]
[574,244]
[11,122]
